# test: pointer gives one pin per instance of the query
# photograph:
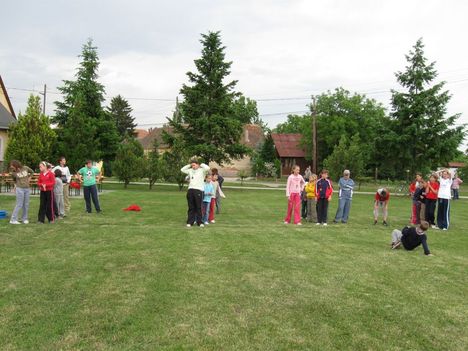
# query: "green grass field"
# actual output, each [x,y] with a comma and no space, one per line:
[143,281]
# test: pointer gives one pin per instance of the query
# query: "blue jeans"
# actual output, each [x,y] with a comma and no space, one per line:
[22,203]
[205,211]
[90,192]
[342,213]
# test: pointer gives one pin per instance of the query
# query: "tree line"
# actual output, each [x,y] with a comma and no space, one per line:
[354,131]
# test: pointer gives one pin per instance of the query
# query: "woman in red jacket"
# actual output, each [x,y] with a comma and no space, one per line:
[46,184]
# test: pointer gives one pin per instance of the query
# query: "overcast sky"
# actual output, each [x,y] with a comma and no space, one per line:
[280,49]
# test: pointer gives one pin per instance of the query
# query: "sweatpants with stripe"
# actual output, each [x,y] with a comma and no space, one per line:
[443,213]
[46,206]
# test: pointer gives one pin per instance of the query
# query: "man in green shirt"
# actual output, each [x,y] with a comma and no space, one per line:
[88,175]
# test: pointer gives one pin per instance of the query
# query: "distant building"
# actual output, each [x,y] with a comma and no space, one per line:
[290,152]
[252,137]
[141,133]
[7,117]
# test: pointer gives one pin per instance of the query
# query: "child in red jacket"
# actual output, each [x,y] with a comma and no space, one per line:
[323,194]
[46,184]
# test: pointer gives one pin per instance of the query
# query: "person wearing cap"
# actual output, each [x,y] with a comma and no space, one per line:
[382,196]
[88,175]
[345,195]
[196,173]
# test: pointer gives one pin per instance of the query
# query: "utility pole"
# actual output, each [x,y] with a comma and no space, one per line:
[314,135]
[44,99]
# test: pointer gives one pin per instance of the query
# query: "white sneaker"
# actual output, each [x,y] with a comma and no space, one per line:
[325,224]
[14,222]
[206,223]
[213,221]
[202,225]
[317,223]
[189,225]
[286,222]
[25,221]
[444,229]
[299,223]
[434,227]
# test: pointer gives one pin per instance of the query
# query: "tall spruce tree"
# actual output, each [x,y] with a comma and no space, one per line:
[31,139]
[121,113]
[422,136]
[209,126]
[80,108]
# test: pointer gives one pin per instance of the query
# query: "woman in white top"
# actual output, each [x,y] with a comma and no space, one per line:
[443,201]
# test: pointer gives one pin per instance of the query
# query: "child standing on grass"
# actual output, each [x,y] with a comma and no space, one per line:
[412,188]
[46,184]
[411,238]
[382,196]
[323,193]
[418,198]
[21,175]
[58,193]
[432,191]
[304,202]
[443,202]
[207,196]
[311,199]
[456,187]
[215,183]
[294,187]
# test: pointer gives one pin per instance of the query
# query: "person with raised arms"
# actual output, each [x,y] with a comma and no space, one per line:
[196,173]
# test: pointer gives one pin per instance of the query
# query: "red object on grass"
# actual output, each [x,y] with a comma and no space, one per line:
[132,208]
[75,185]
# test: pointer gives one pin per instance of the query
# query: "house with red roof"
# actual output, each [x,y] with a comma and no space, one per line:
[290,152]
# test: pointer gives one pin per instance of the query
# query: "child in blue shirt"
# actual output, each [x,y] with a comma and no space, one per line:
[208,193]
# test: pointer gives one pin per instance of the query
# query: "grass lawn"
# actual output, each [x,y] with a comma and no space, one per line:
[142,281]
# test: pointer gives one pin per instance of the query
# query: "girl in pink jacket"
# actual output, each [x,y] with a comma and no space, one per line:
[293,193]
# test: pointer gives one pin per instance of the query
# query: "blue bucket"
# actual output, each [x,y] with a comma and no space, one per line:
[3,214]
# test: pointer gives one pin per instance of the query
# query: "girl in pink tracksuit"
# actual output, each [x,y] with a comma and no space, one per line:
[293,193]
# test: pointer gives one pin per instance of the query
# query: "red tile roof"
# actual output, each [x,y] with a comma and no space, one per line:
[288,145]
[141,133]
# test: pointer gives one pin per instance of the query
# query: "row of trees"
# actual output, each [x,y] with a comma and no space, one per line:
[355,132]
[82,127]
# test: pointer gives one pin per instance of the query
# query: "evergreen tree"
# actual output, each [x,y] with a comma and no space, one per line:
[210,127]
[31,139]
[121,113]
[154,165]
[129,162]
[422,137]
[82,105]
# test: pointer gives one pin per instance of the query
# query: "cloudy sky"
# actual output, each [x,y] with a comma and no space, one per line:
[281,50]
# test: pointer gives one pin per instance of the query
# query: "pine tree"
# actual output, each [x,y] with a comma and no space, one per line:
[423,136]
[209,126]
[31,139]
[153,162]
[121,113]
[82,104]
